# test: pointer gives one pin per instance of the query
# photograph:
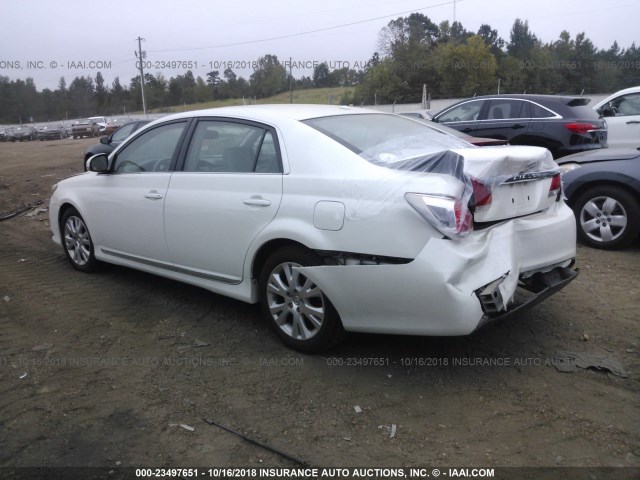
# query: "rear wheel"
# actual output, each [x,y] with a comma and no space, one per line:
[297,309]
[607,217]
[77,242]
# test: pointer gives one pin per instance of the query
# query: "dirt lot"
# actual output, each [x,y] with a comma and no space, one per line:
[104,368]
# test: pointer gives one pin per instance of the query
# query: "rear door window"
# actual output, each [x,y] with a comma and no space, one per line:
[538,111]
[507,109]
[231,147]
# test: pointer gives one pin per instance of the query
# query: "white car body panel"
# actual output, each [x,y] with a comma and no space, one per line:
[114,204]
[200,230]
[210,212]
[455,271]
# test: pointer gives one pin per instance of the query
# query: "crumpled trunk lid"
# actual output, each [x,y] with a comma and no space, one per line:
[519,179]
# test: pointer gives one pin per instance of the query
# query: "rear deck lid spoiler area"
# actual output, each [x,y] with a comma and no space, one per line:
[578,102]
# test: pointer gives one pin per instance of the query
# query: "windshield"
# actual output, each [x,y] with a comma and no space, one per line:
[385,139]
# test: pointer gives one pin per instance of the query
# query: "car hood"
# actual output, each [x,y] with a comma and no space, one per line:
[601,155]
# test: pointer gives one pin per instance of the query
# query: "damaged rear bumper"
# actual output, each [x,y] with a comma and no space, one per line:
[438,292]
[531,291]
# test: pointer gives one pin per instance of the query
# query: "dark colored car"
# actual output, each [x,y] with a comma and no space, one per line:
[603,189]
[115,123]
[477,141]
[23,132]
[53,132]
[108,144]
[562,124]
[85,128]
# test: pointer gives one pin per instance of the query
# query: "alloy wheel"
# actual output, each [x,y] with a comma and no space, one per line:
[603,219]
[295,303]
[77,240]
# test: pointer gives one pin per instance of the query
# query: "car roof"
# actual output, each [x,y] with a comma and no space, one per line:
[530,96]
[627,90]
[274,111]
[615,95]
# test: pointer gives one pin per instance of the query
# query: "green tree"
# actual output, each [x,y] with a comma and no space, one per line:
[202,91]
[82,101]
[322,76]
[101,93]
[492,40]
[522,40]
[467,69]
[269,78]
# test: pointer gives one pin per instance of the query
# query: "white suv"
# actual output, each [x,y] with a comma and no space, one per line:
[622,113]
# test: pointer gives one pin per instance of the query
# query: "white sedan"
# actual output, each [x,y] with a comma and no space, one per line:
[622,113]
[333,219]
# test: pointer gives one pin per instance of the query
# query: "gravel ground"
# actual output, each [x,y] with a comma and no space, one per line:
[110,368]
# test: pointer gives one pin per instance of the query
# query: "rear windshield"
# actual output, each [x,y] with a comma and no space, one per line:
[385,139]
[583,112]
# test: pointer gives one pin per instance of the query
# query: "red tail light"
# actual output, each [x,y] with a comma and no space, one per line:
[481,192]
[580,128]
[556,186]
[450,216]
[464,219]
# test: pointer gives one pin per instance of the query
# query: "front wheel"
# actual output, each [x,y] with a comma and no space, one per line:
[297,309]
[607,217]
[76,241]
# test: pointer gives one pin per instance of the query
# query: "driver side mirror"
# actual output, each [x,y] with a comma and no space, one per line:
[98,163]
[104,140]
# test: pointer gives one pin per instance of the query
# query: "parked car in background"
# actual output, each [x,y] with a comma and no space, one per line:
[622,114]
[101,121]
[23,133]
[3,134]
[331,218]
[53,132]
[562,124]
[84,127]
[115,123]
[108,144]
[603,189]
[477,141]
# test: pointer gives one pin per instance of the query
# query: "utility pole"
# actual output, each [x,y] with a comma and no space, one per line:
[290,83]
[454,11]
[140,55]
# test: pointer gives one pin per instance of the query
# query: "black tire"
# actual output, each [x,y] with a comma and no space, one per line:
[75,235]
[297,320]
[591,209]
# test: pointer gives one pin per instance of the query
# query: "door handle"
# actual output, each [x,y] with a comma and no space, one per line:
[517,126]
[153,195]
[257,202]
[467,130]
[632,122]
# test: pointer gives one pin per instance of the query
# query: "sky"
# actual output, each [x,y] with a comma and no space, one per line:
[47,40]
